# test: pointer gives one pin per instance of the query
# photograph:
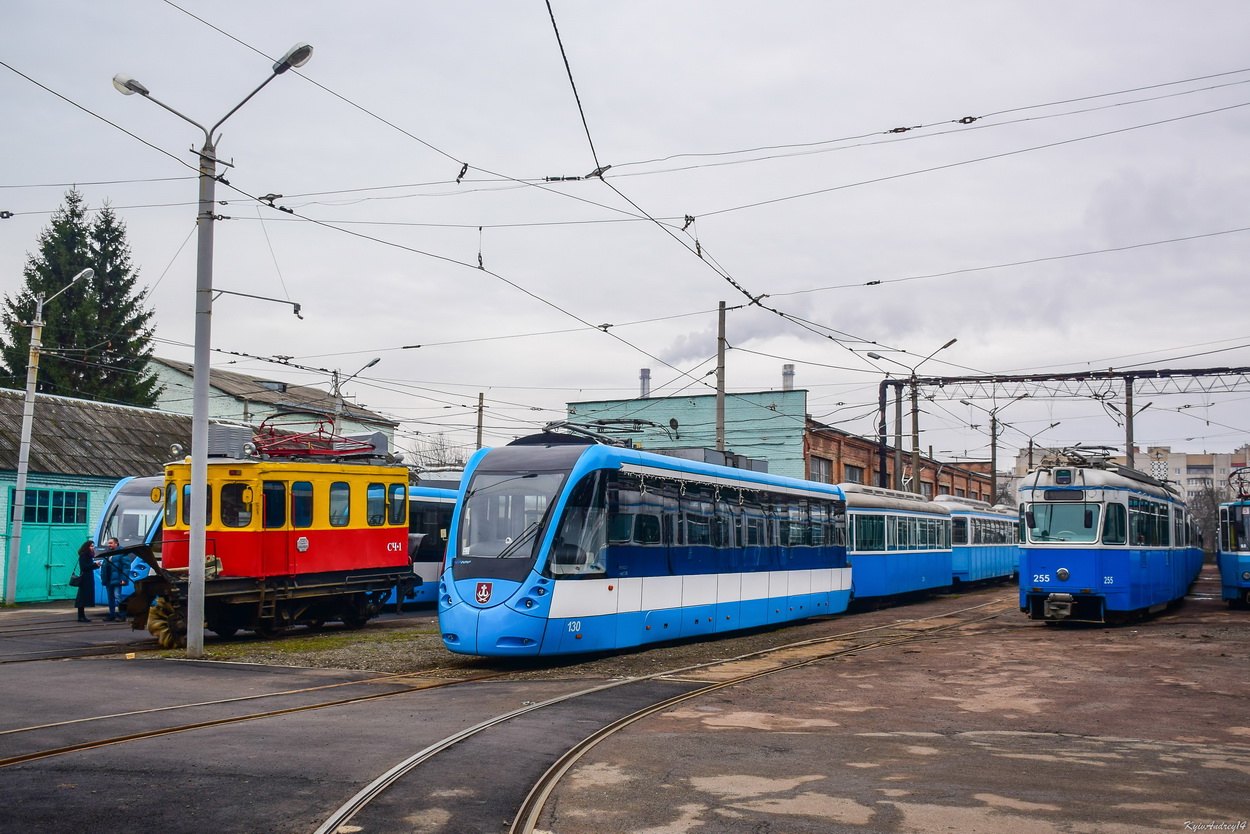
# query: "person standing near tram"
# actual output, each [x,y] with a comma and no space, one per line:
[114,570]
[86,584]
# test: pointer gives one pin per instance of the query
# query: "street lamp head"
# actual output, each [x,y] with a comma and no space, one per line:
[872,355]
[127,86]
[86,275]
[948,344]
[296,56]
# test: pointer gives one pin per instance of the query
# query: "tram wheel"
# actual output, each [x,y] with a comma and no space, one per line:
[225,631]
[356,615]
[168,624]
[269,629]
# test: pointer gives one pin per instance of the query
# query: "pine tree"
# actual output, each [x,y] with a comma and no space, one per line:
[97,334]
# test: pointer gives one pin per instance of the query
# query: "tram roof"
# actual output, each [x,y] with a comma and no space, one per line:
[86,438]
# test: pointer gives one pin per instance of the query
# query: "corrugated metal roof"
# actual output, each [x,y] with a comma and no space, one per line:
[280,395]
[78,437]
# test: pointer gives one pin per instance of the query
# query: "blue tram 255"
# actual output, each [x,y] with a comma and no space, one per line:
[1101,542]
[560,545]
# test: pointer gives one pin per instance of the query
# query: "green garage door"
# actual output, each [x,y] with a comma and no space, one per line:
[54,527]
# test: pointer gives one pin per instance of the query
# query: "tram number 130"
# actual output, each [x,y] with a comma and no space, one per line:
[574,626]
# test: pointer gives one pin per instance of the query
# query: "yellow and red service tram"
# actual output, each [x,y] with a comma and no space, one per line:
[302,529]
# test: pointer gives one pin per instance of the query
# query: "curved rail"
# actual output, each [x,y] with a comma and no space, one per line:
[534,802]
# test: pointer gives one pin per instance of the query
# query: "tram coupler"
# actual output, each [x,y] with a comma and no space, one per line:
[1057,607]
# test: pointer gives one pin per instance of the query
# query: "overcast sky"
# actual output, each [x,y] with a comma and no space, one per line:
[1090,214]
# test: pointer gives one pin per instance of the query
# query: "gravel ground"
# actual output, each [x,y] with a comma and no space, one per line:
[412,644]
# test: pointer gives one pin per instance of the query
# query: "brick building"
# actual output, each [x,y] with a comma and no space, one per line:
[773,426]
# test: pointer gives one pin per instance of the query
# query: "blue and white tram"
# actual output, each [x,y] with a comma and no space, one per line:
[133,518]
[429,520]
[984,539]
[899,542]
[1101,542]
[1234,554]
[1234,550]
[559,545]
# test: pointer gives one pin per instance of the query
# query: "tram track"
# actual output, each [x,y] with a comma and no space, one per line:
[531,799]
[96,744]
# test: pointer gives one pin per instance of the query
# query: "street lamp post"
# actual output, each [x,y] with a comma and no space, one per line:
[915,410]
[1035,434]
[297,56]
[336,386]
[23,451]
[993,412]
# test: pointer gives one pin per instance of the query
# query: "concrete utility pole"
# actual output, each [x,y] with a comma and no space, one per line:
[720,379]
[23,449]
[481,408]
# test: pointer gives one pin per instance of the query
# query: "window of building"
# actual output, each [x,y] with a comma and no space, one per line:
[926,490]
[852,474]
[51,506]
[821,470]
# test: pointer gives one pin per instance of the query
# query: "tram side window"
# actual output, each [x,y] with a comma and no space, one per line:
[274,495]
[581,539]
[869,532]
[647,529]
[236,509]
[186,505]
[171,504]
[301,504]
[340,504]
[820,524]
[1148,522]
[1115,526]
[698,529]
[799,533]
[375,504]
[959,527]
[397,504]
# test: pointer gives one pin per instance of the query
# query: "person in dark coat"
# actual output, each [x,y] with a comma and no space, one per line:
[86,585]
[114,575]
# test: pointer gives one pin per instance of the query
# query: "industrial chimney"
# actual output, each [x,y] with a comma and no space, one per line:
[787,377]
[644,379]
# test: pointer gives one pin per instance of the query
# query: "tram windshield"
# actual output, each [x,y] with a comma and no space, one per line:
[1077,522]
[503,514]
[132,515]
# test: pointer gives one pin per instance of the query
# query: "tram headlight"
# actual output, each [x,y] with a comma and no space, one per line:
[1245,574]
[1062,574]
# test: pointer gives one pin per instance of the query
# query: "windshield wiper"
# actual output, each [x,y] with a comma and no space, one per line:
[521,538]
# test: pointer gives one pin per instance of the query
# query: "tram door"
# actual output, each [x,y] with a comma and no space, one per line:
[276,545]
